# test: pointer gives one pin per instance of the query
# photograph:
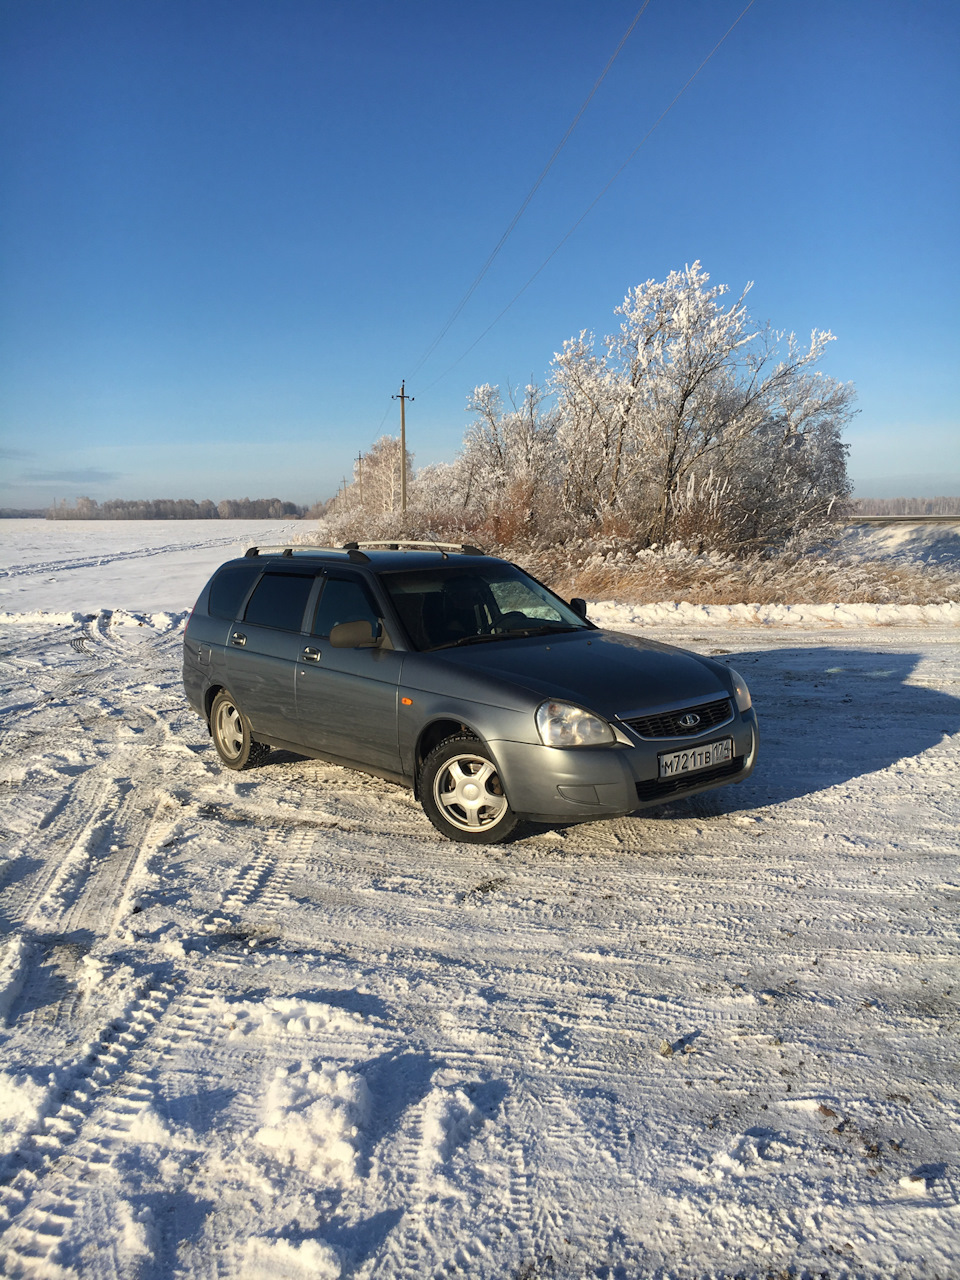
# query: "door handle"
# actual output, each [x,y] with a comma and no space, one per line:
[238,638]
[311,655]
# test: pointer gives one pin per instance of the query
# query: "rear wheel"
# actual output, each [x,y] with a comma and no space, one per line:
[462,795]
[232,736]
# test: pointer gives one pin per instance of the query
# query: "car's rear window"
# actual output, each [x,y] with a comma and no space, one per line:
[229,587]
[279,601]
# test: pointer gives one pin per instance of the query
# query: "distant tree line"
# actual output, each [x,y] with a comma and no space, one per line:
[176,509]
[257,509]
[942,506]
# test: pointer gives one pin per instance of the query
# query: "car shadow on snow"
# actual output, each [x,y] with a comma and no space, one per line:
[827,715]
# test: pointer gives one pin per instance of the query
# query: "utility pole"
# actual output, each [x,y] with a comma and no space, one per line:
[360,476]
[403,398]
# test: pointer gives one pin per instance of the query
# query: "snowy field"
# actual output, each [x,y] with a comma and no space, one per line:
[152,565]
[269,1026]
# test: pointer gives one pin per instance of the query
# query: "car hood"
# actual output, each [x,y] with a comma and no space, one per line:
[615,674]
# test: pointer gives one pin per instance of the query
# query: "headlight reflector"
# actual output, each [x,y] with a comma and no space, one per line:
[740,691]
[561,724]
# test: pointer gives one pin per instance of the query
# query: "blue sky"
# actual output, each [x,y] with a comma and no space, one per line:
[228,229]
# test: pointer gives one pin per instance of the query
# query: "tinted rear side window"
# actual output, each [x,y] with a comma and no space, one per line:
[279,601]
[229,587]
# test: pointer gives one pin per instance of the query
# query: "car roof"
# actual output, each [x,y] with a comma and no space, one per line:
[372,559]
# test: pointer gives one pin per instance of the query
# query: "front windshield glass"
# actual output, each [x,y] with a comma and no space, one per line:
[453,605]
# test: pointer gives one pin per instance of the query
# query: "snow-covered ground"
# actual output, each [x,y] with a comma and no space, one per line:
[269,1024]
[936,542]
[151,565]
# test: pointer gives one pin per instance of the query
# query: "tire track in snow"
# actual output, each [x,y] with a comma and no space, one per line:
[257,897]
[403,1249]
[81,891]
[514,1214]
[41,568]
[44,684]
[93,1080]
[258,884]
[46,1193]
[75,822]
[82,897]
[101,819]
[542,1131]
[100,672]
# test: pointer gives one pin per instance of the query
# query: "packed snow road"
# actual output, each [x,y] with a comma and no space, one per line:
[269,1024]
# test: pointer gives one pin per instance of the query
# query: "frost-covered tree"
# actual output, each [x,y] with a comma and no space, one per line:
[691,407]
[509,457]
[376,480]
[439,489]
[501,445]
[690,424]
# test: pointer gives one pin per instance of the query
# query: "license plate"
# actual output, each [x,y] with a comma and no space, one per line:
[677,762]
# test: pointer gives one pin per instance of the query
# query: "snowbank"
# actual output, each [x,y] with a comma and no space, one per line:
[99,619]
[605,613]
[608,613]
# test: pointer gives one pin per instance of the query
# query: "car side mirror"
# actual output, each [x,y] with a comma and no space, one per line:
[579,607]
[355,635]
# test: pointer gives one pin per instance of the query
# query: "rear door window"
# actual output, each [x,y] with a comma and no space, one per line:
[229,589]
[279,601]
[344,600]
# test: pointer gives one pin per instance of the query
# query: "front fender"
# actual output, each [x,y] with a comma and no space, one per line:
[485,722]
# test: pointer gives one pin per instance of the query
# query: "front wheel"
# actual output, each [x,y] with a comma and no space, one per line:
[231,734]
[462,795]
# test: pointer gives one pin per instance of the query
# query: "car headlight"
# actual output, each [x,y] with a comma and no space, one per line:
[740,691]
[561,724]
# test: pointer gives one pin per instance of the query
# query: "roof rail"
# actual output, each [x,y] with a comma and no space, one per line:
[404,544]
[289,552]
[269,551]
[354,550]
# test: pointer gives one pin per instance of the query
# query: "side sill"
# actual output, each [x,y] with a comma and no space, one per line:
[298,749]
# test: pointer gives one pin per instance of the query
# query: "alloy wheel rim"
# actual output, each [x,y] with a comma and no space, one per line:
[468,793]
[230,730]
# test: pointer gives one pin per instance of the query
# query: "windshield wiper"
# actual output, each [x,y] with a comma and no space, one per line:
[548,629]
[477,639]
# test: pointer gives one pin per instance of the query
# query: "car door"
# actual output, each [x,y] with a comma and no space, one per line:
[347,698]
[263,649]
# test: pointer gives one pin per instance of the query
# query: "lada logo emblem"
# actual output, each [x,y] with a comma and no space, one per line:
[689,721]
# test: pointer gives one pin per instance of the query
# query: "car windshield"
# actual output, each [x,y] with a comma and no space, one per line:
[455,605]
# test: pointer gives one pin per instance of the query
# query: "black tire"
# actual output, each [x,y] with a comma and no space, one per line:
[232,736]
[462,795]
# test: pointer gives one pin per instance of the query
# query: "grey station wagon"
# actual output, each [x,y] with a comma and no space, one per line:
[458,674]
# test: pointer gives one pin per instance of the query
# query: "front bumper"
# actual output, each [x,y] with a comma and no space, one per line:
[573,784]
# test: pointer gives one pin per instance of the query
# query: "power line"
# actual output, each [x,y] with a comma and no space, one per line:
[603,191]
[384,418]
[531,193]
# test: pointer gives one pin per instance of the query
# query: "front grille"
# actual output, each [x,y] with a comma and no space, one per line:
[666,725]
[660,788]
